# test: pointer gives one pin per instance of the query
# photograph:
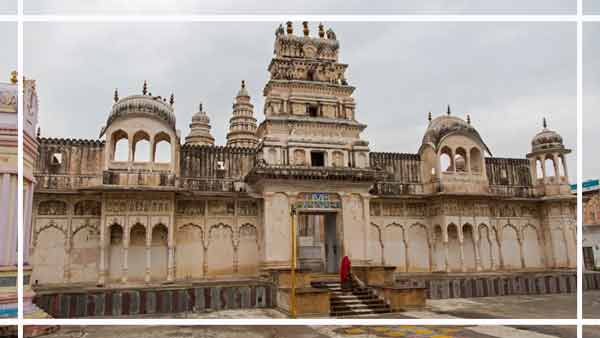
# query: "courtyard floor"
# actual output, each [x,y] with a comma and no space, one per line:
[591,304]
[298,332]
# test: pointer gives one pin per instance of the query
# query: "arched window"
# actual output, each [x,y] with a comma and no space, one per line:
[460,160]
[539,169]
[162,148]
[116,234]
[141,147]
[562,166]
[120,142]
[446,160]
[549,163]
[476,160]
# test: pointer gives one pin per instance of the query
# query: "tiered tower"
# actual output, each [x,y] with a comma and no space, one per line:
[200,129]
[242,125]
[309,109]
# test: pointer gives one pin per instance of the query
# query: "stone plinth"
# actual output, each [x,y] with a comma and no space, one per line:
[378,275]
[400,298]
[310,302]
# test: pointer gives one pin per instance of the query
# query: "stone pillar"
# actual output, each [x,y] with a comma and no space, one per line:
[478,266]
[462,255]
[521,253]
[125,254]
[148,256]
[27,219]
[171,243]
[556,169]
[565,168]
[446,265]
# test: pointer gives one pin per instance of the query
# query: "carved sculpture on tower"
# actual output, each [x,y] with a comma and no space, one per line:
[242,125]
[200,129]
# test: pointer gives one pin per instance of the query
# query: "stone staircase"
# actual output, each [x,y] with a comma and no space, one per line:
[360,301]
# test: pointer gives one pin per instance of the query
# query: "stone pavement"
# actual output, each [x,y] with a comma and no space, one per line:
[591,332]
[295,332]
[591,304]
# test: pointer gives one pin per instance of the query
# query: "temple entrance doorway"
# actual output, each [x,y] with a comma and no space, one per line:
[318,243]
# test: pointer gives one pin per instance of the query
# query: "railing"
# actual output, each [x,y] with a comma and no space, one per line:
[65,182]
[139,178]
[211,184]
[314,173]
[396,188]
[512,191]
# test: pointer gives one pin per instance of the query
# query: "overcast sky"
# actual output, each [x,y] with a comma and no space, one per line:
[8,54]
[591,100]
[301,6]
[8,7]
[508,76]
[591,6]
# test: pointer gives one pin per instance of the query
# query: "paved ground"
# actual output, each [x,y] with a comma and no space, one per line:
[294,332]
[591,304]
[591,332]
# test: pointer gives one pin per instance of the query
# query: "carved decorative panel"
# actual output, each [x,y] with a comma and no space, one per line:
[54,208]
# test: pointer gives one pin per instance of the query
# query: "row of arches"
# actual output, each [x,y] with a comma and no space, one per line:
[143,254]
[460,160]
[140,147]
[552,165]
[466,248]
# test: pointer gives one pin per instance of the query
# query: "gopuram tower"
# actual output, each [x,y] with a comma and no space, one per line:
[311,159]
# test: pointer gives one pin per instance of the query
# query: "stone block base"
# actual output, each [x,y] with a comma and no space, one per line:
[200,297]
[310,302]
[400,299]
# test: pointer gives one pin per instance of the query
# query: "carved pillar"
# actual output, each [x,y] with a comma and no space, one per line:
[125,254]
[171,243]
[565,168]
[406,258]
[148,255]
[104,262]
[67,267]
[555,164]
[478,266]
[461,253]
[446,265]
[521,250]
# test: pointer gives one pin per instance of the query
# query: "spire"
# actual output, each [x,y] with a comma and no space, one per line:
[321,30]
[200,129]
[242,124]
[145,88]
[468,119]
[449,112]
[116,97]
[545,123]
[14,77]
[429,117]
[305,30]
[172,99]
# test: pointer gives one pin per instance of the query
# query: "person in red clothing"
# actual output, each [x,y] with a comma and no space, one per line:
[345,273]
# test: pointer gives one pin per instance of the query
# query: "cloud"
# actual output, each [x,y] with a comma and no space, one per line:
[591,100]
[8,54]
[507,76]
[300,6]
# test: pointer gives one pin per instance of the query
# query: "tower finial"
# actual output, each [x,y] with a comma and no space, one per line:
[545,123]
[290,28]
[468,119]
[243,83]
[200,107]
[39,132]
[321,30]
[172,99]
[429,117]
[305,30]
[116,97]
[448,111]
[14,77]
[145,88]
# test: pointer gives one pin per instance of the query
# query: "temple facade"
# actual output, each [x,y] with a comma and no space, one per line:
[8,197]
[141,206]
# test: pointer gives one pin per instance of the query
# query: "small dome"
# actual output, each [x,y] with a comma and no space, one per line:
[142,105]
[547,139]
[445,125]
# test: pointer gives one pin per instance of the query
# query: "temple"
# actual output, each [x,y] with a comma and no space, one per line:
[142,209]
